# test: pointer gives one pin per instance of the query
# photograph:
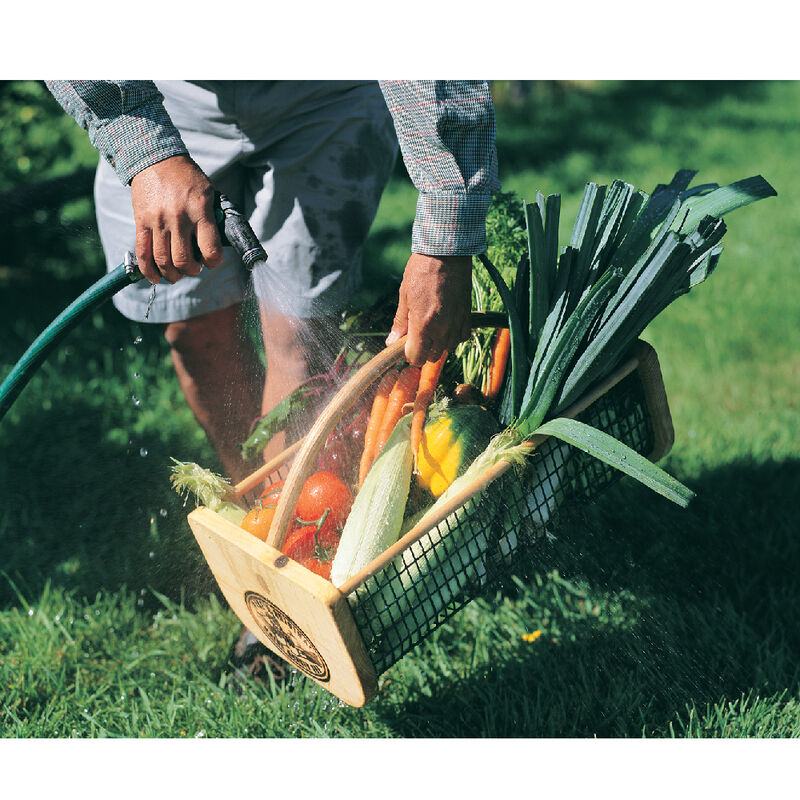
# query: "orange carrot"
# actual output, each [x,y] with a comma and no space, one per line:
[497,369]
[429,377]
[374,424]
[405,388]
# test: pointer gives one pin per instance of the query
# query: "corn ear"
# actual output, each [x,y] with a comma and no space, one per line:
[208,488]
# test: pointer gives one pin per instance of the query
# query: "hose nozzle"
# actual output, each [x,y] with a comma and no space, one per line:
[236,230]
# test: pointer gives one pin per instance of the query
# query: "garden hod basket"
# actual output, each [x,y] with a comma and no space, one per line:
[345,637]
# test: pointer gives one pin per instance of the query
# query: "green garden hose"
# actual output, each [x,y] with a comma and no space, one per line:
[33,357]
[235,231]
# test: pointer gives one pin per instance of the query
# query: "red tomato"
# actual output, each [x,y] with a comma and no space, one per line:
[271,493]
[258,521]
[300,542]
[322,491]
[322,568]
[328,538]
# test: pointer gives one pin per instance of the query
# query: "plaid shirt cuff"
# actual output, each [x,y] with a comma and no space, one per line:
[450,224]
[133,142]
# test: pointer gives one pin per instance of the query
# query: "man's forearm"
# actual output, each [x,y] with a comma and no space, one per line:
[446,131]
[126,122]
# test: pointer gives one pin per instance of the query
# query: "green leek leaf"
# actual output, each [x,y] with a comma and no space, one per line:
[613,452]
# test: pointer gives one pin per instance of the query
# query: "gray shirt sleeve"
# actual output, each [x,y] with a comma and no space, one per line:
[126,121]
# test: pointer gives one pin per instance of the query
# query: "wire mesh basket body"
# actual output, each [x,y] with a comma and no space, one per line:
[344,638]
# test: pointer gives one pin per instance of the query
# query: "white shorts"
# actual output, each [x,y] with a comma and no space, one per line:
[305,161]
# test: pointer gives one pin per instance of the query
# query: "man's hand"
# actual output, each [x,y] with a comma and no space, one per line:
[434,307]
[173,205]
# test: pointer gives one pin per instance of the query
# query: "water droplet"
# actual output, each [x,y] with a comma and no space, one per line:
[136,375]
[151,554]
[58,617]
[135,399]
[140,602]
[142,451]
[137,340]
[30,612]
[163,512]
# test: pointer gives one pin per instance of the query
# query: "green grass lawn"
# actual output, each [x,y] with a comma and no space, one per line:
[654,621]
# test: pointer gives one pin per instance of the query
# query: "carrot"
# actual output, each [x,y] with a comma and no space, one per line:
[405,388]
[497,369]
[374,423]
[429,377]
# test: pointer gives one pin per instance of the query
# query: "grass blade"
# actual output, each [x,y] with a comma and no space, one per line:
[613,452]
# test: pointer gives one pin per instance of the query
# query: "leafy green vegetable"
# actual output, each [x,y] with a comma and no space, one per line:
[628,258]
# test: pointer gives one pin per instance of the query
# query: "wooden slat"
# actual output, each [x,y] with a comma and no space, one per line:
[307,455]
[656,401]
[298,615]
[262,473]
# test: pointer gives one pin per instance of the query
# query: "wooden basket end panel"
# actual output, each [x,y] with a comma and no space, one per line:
[298,615]
[656,399]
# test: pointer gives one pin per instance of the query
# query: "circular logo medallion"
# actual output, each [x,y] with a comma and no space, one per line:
[287,637]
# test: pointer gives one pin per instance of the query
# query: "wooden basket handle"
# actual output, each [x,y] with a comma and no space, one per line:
[314,441]
[320,430]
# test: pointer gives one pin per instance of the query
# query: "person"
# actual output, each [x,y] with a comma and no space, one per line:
[306,162]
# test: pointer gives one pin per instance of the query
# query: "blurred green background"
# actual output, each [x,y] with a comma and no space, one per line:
[657,621]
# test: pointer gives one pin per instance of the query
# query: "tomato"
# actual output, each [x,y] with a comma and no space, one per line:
[270,494]
[301,542]
[322,491]
[258,521]
[322,568]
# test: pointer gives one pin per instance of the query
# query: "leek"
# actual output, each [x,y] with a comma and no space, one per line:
[629,257]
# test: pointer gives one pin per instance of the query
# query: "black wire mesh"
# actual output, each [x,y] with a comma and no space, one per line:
[496,535]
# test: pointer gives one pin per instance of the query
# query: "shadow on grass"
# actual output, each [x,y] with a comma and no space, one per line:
[85,499]
[714,592]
